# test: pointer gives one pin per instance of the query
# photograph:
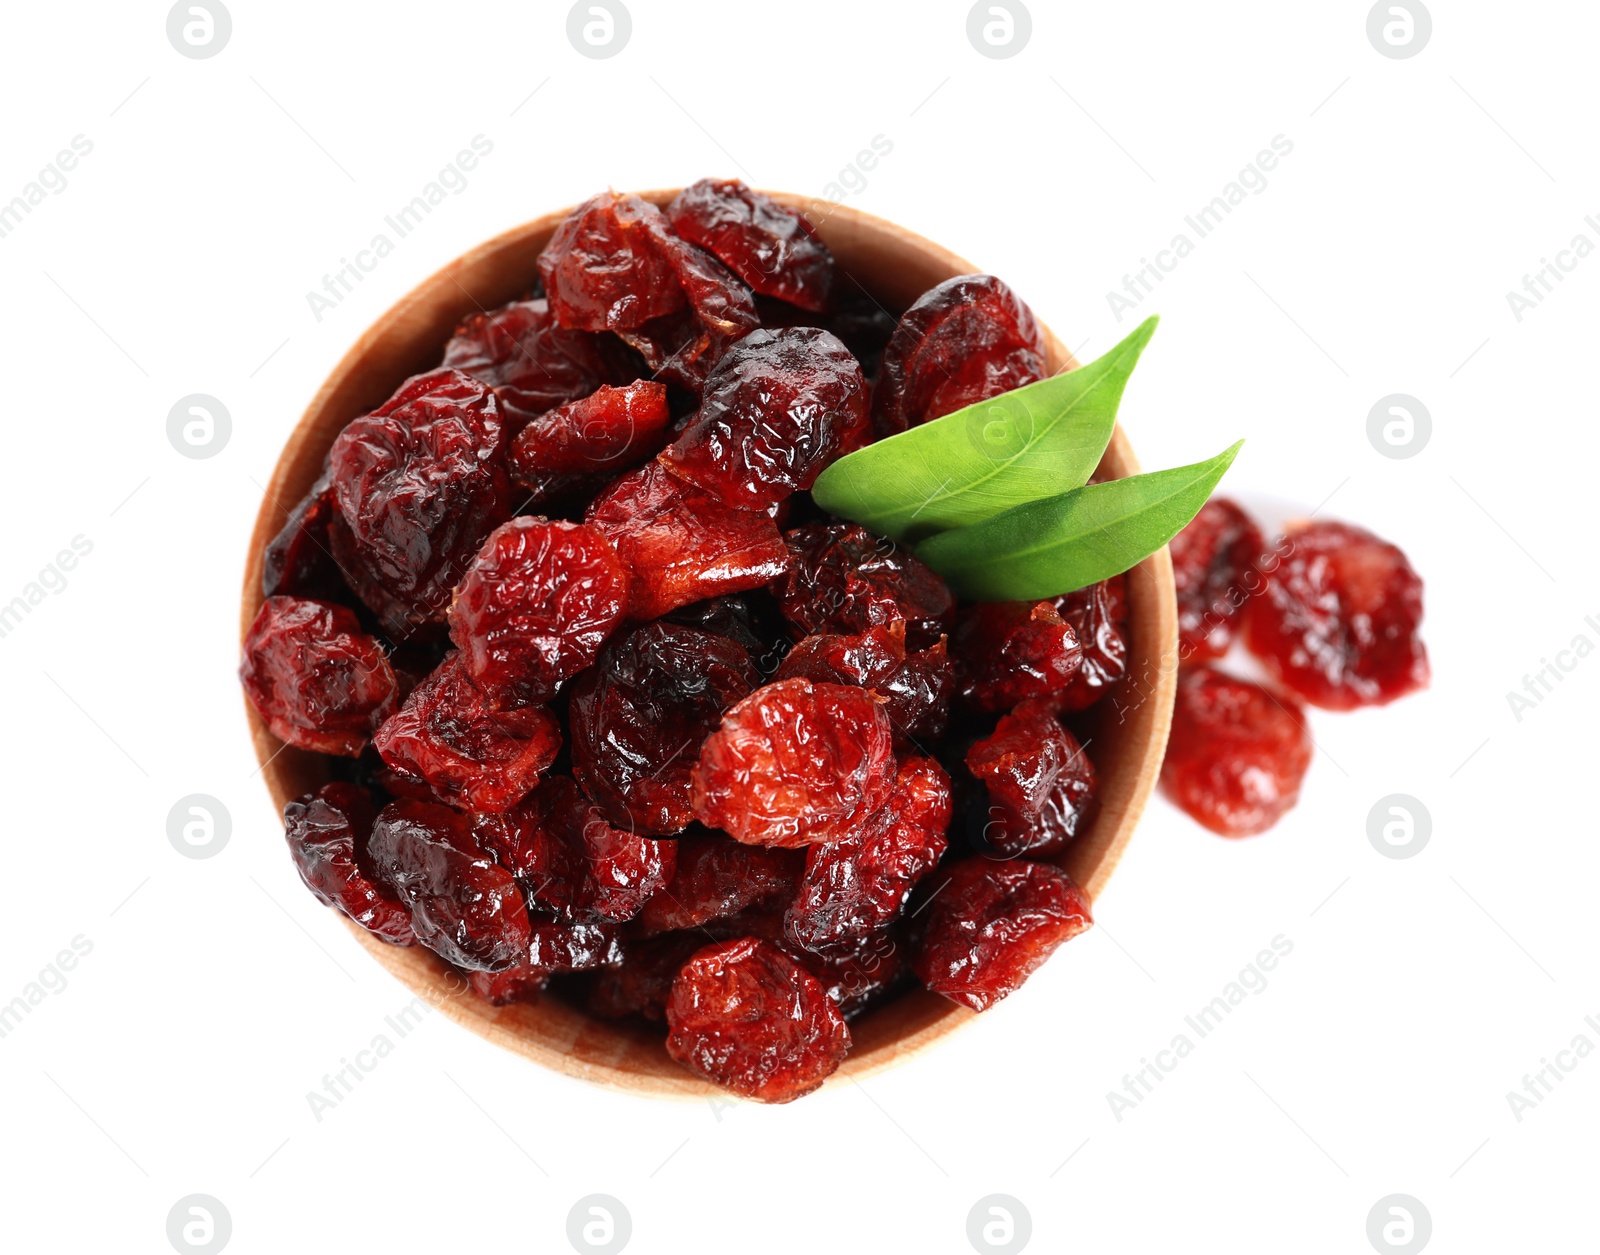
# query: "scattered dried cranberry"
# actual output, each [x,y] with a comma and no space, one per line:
[464,906]
[1236,755]
[1010,651]
[516,984]
[989,926]
[843,579]
[1337,622]
[748,1017]
[327,832]
[915,687]
[536,605]
[318,681]
[582,946]
[603,269]
[1042,787]
[640,715]
[1215,568]
[572,448]
[681,545]
[297,561]
[966,340]
[771,248]
[419,483]
[681,347]
[1098,617]
[796,762]
[716,878]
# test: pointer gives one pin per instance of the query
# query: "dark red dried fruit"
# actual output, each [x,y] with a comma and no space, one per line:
[640,715]
[916,687]
[1098,617]
[642,983]
[854,888]
[419,484]
[327,833]
[536,605]
[966,340]
[717,878]
[770,247]
[319,682]
[603,269]
[1215,569]
[1009,651]
[1337,622]
[516,984]
[989,926]
[681,545]
[449,736]
[746,1016]
[1042,787]
[1236,755]
[681,347]
[577,947]
[862,979]
[298,561]
[464,906]
[796,762]
[843,579]
[571,448]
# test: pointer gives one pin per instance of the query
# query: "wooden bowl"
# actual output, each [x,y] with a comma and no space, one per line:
[897,267]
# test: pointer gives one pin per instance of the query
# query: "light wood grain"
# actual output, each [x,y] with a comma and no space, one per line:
[896,266]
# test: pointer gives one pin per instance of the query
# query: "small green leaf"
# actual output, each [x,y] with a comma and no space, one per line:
[1046,548]
[1036,441]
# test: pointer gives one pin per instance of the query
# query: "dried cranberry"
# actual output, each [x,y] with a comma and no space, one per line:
[1236,755]
[682,545]
[603,269]
[746,1016]
[642,983]
[1215,561]
[965,340]
[640,715]
[570,448]
[536,605]
[449,736]
[297,561]
[796,762]
[770,247]
[1009,651]
[581,946]
[1098,617]
[327,833]
[854,888]
[1337,622]
[318,681]
[843,579]
[681,347]
[716,878]
[464,906]
[989,926]
[1043,790]
[915,687]
[419,484]
[516,984]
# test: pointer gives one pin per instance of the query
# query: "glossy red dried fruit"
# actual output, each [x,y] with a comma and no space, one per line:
[419,483]
[746,1016]
[1043,790]
[1236,755]
[319,681]
[603,269]
[1215,569]
[990,925]
[915,687]
[327,833]
[681,347]
[1098,617]
[963,341]
[642,982]
[862,979]
[843,579]
[297,561]
[1337,622]
[1009,651]
[681,545]
[571,448]
[716,878]
[770,247]
[535,606]
[448,736]
[516,984]
[581,946]
[640,715]
[464,906]
[854,888]
[796,762]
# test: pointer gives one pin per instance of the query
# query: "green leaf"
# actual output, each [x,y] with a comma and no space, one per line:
[1036,441]
[1046,548]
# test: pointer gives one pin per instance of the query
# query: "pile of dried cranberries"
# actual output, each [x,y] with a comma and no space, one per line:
[616,709]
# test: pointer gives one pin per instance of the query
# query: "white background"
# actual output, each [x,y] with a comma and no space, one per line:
[177,260]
